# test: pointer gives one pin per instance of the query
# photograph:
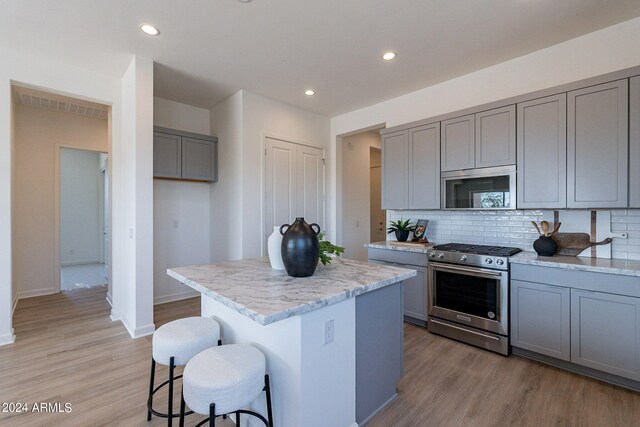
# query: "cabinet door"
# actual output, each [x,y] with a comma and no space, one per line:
[458,143]
[415,293]
[424,167]
[540,318]
[634,140]
[605,332]
[597,142]
[542,153]
[198,159]
[167,156]
[496,137]
[395,174]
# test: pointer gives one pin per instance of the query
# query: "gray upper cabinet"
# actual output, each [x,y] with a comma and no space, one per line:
[184,155]
[424,167]
[634,141]
[395,174]
[167,155]
[411,168]
[542,153]
[605,332]
[540,318]
[458,143]
[496,137]
[597,146]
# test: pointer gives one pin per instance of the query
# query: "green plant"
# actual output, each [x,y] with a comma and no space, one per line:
[401,225]
[327,248]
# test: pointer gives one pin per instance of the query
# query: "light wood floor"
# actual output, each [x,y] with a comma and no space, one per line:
[68,350]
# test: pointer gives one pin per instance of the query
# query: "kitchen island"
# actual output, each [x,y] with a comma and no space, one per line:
[333,341]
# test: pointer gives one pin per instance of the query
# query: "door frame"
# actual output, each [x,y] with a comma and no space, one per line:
[263,198]
[56,211]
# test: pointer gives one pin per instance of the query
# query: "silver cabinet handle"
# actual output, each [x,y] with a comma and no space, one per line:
[465,330]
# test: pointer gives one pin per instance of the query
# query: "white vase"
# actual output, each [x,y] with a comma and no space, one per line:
[274,244]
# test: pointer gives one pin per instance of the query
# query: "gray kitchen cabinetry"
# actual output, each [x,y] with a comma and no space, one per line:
[605,332]
[542,153]
[634,142]
[480,140]
[540,318]
[395,174]
[458,144]
[414,289]
[597,146]
[411,168]
[560,316]
[184,155]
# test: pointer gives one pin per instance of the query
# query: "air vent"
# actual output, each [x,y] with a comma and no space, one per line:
[67,105]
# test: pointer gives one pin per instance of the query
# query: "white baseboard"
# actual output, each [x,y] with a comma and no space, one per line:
[115,316]
[35,293]
[139,332]
[6,339]
[110,300]
[85,262]
[15,303]
[190,293]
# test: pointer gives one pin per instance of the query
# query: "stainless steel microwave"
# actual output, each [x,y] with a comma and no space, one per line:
[480,189]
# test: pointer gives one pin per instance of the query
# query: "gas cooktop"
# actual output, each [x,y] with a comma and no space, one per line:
[499,251]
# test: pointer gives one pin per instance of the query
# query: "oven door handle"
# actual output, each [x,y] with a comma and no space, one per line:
[455,268]
[465,330]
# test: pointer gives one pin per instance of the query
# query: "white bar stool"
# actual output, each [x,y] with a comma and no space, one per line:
[174,344]
[223,380]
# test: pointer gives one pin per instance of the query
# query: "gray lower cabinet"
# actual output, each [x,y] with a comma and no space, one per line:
[184,155]
[542,153]
[605,332]
[634,142]
[597,146]
[414,289]
[540,318]
[411,168]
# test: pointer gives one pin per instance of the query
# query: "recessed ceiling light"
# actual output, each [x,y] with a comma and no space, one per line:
[149,29]
[244,1]
[309,92]
[388,56]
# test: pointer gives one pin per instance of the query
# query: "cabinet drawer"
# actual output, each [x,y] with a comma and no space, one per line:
[400,257]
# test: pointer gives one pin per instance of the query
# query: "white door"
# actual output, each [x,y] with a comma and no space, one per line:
[105,206]
[294,184]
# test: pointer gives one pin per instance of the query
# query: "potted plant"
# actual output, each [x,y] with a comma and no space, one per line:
[401,228]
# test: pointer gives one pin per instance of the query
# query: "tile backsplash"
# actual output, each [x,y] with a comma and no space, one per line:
[513,228]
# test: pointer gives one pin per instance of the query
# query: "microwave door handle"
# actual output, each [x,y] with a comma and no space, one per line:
[468,270]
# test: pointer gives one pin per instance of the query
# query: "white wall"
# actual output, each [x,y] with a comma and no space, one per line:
[611,49]
[54,76]
[226,194]
[39,134]
[181,210]
[80,225]
[265,117]
[356,175]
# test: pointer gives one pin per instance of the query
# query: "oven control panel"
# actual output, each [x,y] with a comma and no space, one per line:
[487,261]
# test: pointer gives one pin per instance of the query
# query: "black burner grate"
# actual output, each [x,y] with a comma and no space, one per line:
[478,249]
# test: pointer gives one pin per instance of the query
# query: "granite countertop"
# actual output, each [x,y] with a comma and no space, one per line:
[252,288]
[596,265]
[421,248]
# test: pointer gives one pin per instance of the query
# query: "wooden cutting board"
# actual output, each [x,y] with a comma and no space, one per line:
[573,244]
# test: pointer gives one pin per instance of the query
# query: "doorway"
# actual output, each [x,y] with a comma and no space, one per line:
[83,217]
[378,216]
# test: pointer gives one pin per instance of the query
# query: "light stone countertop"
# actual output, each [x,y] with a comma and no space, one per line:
[252,288]
[421,248]
[596,265]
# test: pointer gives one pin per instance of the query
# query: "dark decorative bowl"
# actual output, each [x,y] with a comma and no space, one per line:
[545,246]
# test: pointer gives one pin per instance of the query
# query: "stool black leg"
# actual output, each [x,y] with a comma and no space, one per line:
[151,383]
[170,404]
[182,405]
[238,419]
[267,388]
[212,415]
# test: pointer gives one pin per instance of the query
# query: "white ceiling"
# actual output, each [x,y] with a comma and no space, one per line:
[278,48]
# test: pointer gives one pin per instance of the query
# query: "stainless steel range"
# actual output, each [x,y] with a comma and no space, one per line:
[469,294]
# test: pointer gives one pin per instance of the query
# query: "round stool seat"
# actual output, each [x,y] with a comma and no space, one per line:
[230,376]
[184,338]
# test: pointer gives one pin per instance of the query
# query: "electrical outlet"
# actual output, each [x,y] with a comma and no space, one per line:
[328,331]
